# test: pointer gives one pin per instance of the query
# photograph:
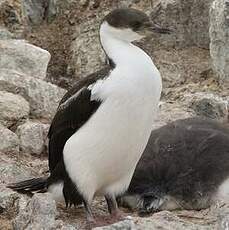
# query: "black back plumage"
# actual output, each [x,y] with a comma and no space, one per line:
[186,159]
[68,119]
[74,110]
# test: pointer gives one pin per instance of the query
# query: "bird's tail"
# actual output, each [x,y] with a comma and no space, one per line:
[31,185]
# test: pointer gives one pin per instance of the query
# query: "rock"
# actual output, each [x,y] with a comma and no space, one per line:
[219,35]
[32,137]
[209,105]
[42,96]
[21,202]
[165,115]
[5,34]
[223,218]
[9,141]
[23,57]
[127,3]
[35,10]
[19,15]
[11,169]
[167,220]
[38,11]
[45,128]
[8,199]
[12,16]
[122,225]
[83,2]
[52,10]
[87,54]
[60,225]
[177,66]
[13,108]
[39,213]
[189,20]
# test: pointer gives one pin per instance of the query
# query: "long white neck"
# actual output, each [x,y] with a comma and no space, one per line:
[135,71]
[121,51]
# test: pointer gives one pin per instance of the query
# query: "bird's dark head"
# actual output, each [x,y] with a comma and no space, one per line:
[129,24]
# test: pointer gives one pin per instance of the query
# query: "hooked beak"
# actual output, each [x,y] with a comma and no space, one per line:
[157,29]
[152,27]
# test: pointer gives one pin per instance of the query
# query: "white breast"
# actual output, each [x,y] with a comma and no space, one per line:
[101,156]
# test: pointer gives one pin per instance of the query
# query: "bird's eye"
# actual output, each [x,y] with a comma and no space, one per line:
[136,25]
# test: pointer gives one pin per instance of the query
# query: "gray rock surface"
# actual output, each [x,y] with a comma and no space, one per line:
[24,57]
[13,168]
[219,35]
[52,10]
[209,106]
[162,220]
[42,96]
[122,225]
[8,199]
[12,16]
[223,218]
[39,213]
[60,225]
[87,54]
[5,33]
[177,66]
[32,136]
[165,115]
[35,10]
[167,221]
[19,15]
[9,141]
[13,108]
[189,20]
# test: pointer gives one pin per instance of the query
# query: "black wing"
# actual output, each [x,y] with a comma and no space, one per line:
[74,110]
[85,82]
